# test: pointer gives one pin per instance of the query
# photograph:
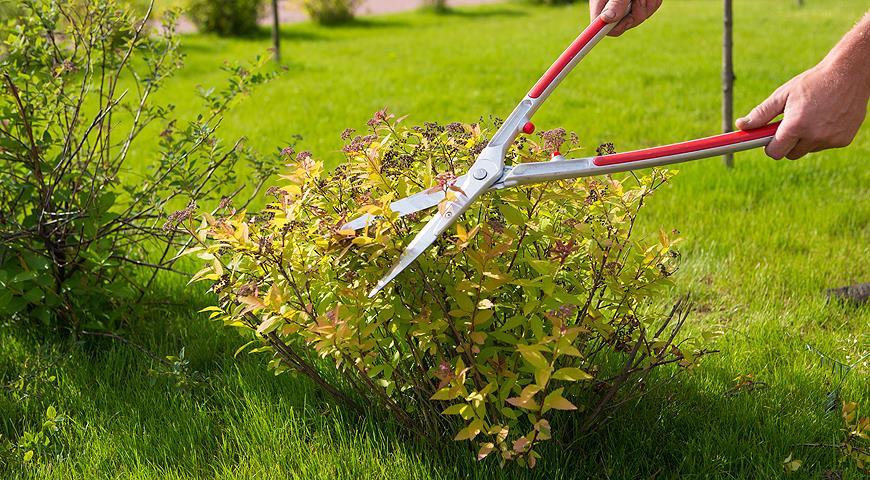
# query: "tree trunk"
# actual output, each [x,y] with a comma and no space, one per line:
[727,79]
[276,34]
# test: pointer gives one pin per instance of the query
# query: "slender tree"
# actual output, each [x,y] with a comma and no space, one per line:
[276,34]
[728,78]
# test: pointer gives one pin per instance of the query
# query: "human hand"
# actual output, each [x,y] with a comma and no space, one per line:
[822,108]
[614,10]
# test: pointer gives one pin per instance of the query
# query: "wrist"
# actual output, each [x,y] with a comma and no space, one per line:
[848,69]
[847,61]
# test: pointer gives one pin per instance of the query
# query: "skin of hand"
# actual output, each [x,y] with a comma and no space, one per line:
[614,10]
[823,107]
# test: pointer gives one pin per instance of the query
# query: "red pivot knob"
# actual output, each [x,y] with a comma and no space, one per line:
[529,128]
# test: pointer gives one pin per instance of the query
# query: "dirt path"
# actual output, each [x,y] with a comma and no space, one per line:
[290,11]
[379,7]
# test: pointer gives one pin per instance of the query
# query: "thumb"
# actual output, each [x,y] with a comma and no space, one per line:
[615,10]
[763,113]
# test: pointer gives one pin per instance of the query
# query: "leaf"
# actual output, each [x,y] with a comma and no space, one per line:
[28,456]
[242,348]
[571,374]
[464,302]
[520,444]
[513,322]
[252,303]
[543,428]
[485,450]
[446,393]
[791,465]
[522,402]
[485,304]
[850,411]
[51,413]
[512,215]
[542,375]
[461,233]
[268,325]
[456,409]
[663,239]
[543,267]
[556,401]
[534,358]
[469,432]
[363,241]
[191,251]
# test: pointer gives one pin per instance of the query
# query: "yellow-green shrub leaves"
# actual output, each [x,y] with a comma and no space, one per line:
[534,303]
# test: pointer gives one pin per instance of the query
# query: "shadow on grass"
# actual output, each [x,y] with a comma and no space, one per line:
[682,427]
[204,43]
[367,23]
[474,14]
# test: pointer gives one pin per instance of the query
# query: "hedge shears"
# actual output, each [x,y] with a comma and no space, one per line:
[489,171]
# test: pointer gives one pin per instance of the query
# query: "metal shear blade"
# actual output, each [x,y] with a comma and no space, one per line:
[406,206]
[471,189]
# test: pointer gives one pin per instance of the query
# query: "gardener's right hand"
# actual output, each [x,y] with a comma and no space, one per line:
[612,11]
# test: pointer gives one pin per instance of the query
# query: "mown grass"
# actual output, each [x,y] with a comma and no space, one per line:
[761,244]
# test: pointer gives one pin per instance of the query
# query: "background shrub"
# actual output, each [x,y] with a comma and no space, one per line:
[536,303]
[9,9]
[439,6]
[226,17]
[554,2]
[77,218]
[331,12]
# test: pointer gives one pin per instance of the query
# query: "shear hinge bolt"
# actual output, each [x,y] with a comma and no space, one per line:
[480,174]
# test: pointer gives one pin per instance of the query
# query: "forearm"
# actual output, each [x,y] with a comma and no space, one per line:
[850,58]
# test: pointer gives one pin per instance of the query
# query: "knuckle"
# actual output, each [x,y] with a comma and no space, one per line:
[788,135]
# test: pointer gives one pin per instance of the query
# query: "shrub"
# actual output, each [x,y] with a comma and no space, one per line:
[226,17]
[9,9]
[438,6]
[331,12]
[553,2]
[537,302]
[77,216]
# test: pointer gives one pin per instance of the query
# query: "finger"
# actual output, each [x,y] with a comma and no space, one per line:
[630,21]
[764,113]
[784,141]
[620,28]
[640,11]
[800,150]
[595,8]
[614,10]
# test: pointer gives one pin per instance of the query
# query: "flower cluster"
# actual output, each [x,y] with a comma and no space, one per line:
[179,216]
[553,139]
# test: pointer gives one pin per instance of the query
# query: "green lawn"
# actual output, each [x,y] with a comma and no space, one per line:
[762,242]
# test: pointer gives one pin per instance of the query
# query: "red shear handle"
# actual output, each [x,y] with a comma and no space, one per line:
[568,56]
[733,139]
